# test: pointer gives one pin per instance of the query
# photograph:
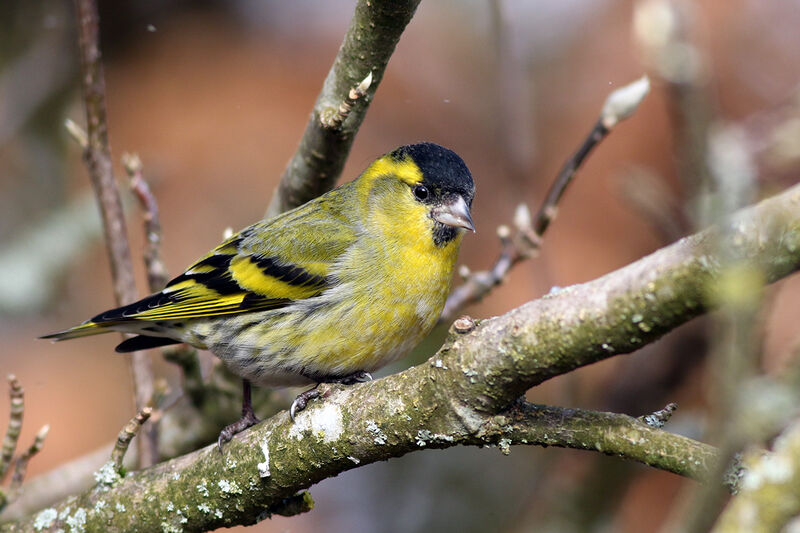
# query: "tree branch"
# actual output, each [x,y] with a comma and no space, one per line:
[263,470]
[97,155]
[374,31]
[465,394]
[608,433]
[526,241]
[624,310]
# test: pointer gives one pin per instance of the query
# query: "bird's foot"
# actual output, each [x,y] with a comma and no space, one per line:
[248,419]
[303,398]
[355,377]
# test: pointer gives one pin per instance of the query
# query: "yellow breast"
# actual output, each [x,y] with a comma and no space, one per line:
[391,290]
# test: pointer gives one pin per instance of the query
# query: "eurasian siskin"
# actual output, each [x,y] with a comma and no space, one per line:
[326,292]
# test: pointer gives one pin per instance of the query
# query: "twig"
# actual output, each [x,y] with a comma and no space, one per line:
[659,418]
[157,276]
[21,466]
[77,133]
[333,118]
[69,478]
[17,396]
[17,410]
[184,427]
[373,33]
[512,113]
[126,436]
[98,160]
[515,248]
[619,105]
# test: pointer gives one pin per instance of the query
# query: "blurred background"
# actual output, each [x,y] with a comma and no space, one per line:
[214,97]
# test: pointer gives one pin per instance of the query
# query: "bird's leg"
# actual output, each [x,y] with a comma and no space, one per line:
[248,419]
[303,398]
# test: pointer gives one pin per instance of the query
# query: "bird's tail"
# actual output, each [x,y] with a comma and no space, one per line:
[81,330]
[139,342]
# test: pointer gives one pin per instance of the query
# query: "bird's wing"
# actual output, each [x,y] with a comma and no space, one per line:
[265,266]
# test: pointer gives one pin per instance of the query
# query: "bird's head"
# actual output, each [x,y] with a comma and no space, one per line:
[422,186]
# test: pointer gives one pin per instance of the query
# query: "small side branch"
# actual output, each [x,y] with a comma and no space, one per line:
[659,419]
[527,239]
[333,118]
[126,436]
[10,442]
[157,276]
[17,410]
[619,105]
[661,31]
[21,466]
[609,433]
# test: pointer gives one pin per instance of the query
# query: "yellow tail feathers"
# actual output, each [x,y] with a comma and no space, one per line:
[82,330]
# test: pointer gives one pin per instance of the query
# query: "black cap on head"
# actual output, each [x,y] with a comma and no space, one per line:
[442,169]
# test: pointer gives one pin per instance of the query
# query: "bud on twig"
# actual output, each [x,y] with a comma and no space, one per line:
[624,102]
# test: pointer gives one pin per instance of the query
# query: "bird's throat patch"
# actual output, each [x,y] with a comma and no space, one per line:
[443,234]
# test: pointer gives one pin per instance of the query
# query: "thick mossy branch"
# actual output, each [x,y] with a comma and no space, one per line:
[262,470]
[374,31]
[624,310]
[465,394]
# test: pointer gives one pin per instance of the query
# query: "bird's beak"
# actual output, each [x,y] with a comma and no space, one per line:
[454,213]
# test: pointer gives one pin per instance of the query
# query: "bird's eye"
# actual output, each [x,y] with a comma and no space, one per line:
[421,192]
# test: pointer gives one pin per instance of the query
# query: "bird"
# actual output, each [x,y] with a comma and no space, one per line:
[327,292]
